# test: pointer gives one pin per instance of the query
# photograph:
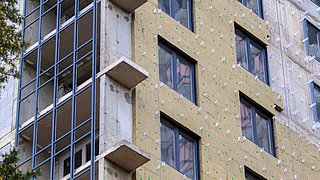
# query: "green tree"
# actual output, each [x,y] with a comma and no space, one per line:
[10,171]
[10,39]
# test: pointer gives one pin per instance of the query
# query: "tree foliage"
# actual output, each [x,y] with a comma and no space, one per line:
[10,171]
[10,39]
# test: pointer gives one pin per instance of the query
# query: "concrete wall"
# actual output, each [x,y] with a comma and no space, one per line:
[223,153]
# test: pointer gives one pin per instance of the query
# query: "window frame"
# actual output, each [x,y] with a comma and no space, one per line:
[316,3]
[249,40]
[306,35]
[192,64]
[252,173]
[314,86]
[190,14]
[257,110]
[83,148]
[260,4]
[177,129]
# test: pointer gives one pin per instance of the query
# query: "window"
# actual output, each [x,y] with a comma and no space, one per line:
[82,156]
[257,126]
[177,72]
[312,42]
[317,2]
[180,10]
[251,56]
[255,5]
[315,94]
[250,175]
[179,149]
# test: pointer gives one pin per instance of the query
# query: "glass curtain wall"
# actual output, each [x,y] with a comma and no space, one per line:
[56,114]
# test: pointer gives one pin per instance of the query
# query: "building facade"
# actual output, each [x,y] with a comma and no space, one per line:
[167,89]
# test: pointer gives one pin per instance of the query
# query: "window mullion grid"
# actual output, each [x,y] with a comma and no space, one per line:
[174,71]
[55,91]
[34,143]
[74,75]
[20,81]
[93,88]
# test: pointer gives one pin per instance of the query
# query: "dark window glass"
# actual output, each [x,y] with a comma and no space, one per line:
[177,72]
[246,121]
[251,56]
[179,149]
[257,126]
[252,176]
[167,143]
[186,158]
[313,45]
[317,2]
[254,5]
[316,99]
[88,150]
[78,163]
[180,10]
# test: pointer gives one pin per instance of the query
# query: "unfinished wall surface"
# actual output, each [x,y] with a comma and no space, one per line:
[223,153]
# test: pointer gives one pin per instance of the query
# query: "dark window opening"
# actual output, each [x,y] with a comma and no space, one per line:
[250,175]
[257,126]
[78,163]
[315,94]
[312,42]
[179,149]
[180,10]
[254,5]
[176,71]
[252,56]
[317,2]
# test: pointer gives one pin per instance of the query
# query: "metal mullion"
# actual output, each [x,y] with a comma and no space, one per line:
[84,44]
[176,148]
[28,95]
[75,45]
[31,81]
[60,138]
[65,69]
[47,70]
[31,12]
[82,172]
[42,150]
[46,12]
[25,54]
[33,21]
[174,70]
[63,102]
[84,56]
[318,35]
[93,99]
[61,150]
[82,137]
[85,13]
[249,57]
[64,58]
[83,123]
[43,115]
[83,89]
[34,143]
[25,161]
[254,125]
[47,82]
[43,162]
[170,8]
[20,131]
